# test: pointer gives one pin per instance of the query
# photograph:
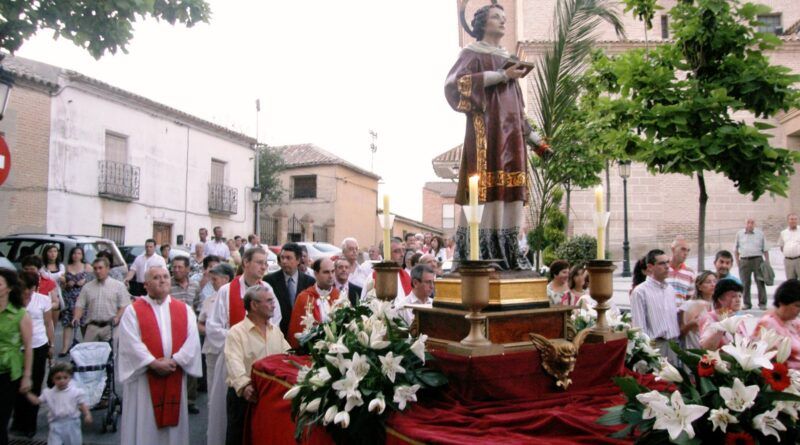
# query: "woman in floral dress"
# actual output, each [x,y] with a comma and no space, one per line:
[73,280]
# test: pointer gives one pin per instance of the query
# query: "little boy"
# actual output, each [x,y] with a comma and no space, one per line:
[65,404]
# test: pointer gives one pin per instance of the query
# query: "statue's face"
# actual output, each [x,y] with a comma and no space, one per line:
[495,23]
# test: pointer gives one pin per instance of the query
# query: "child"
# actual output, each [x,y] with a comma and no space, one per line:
[64,402]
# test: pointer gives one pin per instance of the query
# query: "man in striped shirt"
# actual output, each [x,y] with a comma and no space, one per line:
[653,305]
[681,277]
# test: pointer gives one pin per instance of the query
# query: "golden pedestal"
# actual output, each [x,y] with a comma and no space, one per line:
[507,290]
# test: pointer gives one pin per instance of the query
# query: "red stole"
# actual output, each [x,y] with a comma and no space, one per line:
[235,302]
[405,280]
[165,391]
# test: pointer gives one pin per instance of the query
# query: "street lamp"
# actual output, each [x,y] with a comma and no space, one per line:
[6,83]
[255,196]
[625,173]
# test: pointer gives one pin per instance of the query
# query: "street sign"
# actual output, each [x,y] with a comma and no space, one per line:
[5,160]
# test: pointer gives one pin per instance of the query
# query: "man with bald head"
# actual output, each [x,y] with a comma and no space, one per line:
[158,347]
[681,277]
[751,251]
[317,301]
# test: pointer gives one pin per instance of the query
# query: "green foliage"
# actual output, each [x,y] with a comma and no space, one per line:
[643,10]
[578,250]
[96,26]
[270,164]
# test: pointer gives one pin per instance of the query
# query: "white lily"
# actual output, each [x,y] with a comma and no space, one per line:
[363,338]
[329,336]
[291,393]
[720,418]
[339,347]
[739,397]
[404,394]
[338,361]
[302,373]
[418,347]
[313,406]
[750,355]
[794,376]
[770,337]
[347,386]
[768,423]
[377,336]
[320,378]
[330,414]
[789,408]
[307,321]
[342,418]
[720,365]
[352,326]
[668,372]
[390,365]
[321,345]
[730,324]
[353,401]
[653,401]
[641,367]
[360,365]
[784,350]
[679,417]
[377,405]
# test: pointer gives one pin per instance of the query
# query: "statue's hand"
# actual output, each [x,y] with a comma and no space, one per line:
[515,71]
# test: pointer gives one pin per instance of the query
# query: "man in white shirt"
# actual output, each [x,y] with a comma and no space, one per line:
[422,285]
[218,246]
[141,265]
[789,242]
[203,234]
[358,273]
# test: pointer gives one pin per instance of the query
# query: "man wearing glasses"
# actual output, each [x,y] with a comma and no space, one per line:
[653,305]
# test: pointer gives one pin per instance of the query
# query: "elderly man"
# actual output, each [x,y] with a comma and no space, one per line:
[218,246]
[346,287]
[751,251]
[422,282]
[680,277]
[653,305]
[789,242]
[227,311]
[397,253]
[158,347]
[357,273]
[317,300]
[141,265]
[248,341]
[104,299]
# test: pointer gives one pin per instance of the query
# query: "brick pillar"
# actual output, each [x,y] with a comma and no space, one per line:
[283,225]
[308,228]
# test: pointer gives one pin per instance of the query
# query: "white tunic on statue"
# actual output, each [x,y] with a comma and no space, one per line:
[138,420]
[217,326]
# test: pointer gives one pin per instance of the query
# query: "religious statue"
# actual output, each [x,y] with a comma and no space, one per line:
[483,85]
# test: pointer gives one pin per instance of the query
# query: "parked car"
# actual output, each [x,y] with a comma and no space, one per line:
[6,264]
[321,250]
[130,252]
[15,247]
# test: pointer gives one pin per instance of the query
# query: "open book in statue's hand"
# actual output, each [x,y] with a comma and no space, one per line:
[527,66]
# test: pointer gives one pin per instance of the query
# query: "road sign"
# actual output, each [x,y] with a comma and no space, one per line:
[5,160]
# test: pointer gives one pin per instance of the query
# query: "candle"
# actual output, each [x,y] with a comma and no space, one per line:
[601,229]
[387,230]
[474,246]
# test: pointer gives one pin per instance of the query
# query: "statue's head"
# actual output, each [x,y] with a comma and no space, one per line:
[489,18]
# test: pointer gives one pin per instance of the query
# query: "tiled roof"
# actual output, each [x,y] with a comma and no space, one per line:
[794,29]
[446,164]
[446,189]
[452,155]
[49,75]
[306,155]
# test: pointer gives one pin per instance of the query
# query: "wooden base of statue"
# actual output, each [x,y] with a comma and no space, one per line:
[507,290]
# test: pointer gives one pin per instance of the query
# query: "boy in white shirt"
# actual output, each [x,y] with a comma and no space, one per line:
[65,404]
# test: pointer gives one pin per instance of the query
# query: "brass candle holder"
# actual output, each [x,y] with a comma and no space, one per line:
[386,280]
[475,297]
[601,289]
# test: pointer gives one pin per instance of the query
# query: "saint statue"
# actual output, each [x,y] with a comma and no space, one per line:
[483,85]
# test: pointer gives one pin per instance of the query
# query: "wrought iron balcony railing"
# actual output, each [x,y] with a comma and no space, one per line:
[117,180]
[222,199]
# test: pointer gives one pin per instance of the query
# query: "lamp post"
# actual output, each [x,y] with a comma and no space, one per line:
[255,195]
[6,83]
[625,173]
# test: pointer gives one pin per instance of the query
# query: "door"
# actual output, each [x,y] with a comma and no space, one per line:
[162,233]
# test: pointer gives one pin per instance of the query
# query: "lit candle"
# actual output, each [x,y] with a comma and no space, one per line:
[387,230]
[474,247]
[601,229]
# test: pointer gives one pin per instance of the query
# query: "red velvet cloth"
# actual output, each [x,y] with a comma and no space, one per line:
[506,399]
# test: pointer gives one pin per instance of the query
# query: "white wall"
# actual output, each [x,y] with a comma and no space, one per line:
[157,144]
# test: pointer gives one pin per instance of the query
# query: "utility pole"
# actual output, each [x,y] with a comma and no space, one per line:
[256,184]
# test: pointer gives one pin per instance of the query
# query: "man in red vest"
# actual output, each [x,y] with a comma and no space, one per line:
[158,347]
[317,300]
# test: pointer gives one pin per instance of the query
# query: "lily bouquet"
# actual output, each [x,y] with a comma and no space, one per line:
[742,393]
[639,356]
[363,361]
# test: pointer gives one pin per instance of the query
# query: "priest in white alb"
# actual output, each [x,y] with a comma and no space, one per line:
[227,311]
[158,347]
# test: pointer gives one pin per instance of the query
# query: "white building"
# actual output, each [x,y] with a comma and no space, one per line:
[123,166]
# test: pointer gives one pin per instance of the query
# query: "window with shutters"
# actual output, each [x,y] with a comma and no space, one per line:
[304,186]
[114,233]
[770,23]
[116,148]
[217,172]
[664,27]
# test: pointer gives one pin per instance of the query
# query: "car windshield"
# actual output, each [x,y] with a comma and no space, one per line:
[323,247]
[90,251]
[16,249]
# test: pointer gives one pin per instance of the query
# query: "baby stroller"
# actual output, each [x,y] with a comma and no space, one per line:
[93,366]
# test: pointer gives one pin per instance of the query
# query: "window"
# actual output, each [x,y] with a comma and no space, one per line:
[116,148]
[448,216]
[217,172]
[770,23]
[664,27]
[114,233]
[304,186]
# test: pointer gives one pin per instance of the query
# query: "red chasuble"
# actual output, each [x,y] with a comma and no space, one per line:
[235,302]
[306,300]
[165,391]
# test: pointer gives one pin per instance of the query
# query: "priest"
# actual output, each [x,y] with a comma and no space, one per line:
[158,347]
[317,301]
[226,312]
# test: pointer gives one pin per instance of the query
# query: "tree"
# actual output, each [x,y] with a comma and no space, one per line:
[679,100]
[96,26]
[270,164]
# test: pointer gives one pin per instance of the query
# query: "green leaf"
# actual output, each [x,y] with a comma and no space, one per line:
[630,387]
[613,416]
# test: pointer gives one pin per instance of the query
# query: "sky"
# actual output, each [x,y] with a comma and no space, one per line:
[325,72]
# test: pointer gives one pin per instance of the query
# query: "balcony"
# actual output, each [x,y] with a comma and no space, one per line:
[117,180]
[222,199]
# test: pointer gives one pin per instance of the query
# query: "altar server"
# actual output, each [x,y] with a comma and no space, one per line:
[158,346]
[318,300]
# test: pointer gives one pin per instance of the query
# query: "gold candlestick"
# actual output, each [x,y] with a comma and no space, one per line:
[475,297]
[601,289]
[386,280]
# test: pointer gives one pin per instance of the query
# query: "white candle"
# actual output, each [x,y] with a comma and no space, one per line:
[601,229]
[387,230]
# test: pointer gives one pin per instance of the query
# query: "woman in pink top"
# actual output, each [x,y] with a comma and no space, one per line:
[783,319]
[727,301]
